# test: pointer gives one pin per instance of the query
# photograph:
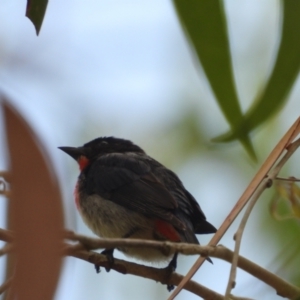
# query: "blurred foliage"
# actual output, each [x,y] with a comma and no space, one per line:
[285,211]
[282,78]
[206,27]
[35,11]
[287,192]
[191,135]
[205,24]
[286,235]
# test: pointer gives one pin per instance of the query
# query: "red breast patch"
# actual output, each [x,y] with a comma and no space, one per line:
[167,230]
[76,196]
[83,162]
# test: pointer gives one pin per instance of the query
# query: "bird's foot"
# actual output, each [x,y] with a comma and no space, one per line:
[173,263]
[110,260]
[97,267]
[109,253]
[171,269]
[170,287]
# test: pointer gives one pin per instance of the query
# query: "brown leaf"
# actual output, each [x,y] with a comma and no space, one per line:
[37,217]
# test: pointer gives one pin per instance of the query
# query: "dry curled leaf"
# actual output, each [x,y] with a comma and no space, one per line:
[36,212]
[287,192]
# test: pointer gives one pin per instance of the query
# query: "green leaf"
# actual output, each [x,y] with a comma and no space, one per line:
[281,81]
[205,24]
[35,11]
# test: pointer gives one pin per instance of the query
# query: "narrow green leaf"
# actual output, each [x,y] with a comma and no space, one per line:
[205,24]
[35,11]
[281,81]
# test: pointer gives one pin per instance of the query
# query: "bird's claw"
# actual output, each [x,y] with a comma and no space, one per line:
[171,269]
[110,258]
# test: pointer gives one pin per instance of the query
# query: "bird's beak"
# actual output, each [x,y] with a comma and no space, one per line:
[72,151]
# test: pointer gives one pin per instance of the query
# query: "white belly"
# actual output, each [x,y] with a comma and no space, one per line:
[110,220]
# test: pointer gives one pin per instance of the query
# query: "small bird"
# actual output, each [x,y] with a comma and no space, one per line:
[122,192]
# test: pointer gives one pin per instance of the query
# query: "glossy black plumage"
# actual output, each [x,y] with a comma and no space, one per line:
[120,172]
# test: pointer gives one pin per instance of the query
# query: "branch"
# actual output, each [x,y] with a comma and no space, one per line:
[266,183]
[5,175]
[281,286]
[6,235]
[3,183]
[238,237]
[289,180]
[6,249]
[159,275]
[81,250]
[253,185]
[6,285]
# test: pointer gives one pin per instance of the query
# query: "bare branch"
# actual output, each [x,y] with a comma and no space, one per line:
[282,287]
[266,183]
[6,285]
[80,250]
[232,297]
[6,249]
[3,186]
[283,144]
[5,175]
[162,275]
[6,235]
[238,237]
[290,179]
[166,247]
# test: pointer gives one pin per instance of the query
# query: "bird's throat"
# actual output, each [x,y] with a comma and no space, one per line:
[83,162]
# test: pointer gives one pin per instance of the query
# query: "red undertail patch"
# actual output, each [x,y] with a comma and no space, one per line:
[167,230]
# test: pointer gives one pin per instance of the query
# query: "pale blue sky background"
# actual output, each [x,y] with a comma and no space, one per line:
[123,68]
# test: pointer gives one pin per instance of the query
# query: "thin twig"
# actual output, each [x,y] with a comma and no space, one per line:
[6,285]
[238,237]
[6,175]
[88,243]
[159,275]
[5,193]
[232,297]
[267,182]
[166,247]
[6,235]
[6,249]
[290,179]
[262,172]
[281,286]
[3,188]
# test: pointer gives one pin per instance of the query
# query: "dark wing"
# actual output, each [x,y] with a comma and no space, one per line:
[188,208]
[127,180]
[201,226]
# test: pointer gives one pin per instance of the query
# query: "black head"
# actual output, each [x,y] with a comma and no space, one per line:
[102,145]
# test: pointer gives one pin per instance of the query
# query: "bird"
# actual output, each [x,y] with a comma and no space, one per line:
[122,192]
